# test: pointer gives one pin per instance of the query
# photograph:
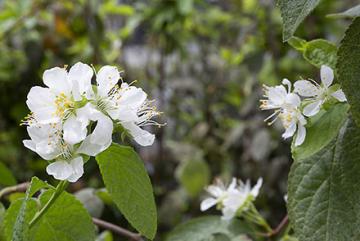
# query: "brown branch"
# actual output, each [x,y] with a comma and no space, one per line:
[17,188]
[278,229]
[118,230]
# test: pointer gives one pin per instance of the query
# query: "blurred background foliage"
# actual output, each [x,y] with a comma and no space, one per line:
[204,62]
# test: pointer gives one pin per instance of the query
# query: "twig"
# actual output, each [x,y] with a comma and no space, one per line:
[17,188]
[117,229]
[278,229]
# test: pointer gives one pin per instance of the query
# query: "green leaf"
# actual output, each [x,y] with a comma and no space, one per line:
[66,220]
[348,67]
[350,13]
[293,12]
[129,185]
[324,190]
[193,175]
[6,177]
[2,214]
[322,131]
[317,52]
[209,228]
[105,236]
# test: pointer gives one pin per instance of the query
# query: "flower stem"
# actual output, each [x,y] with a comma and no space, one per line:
[59,189]
[254,216]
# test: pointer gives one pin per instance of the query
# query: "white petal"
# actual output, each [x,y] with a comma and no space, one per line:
[56,79]
[232,185]
[142,137]
[305,88]
[290,131]
[207,203]
[327,75]
[276,95]
[41,102]
[102,133]
[75,130]
[77,165]
[339,95]
[30,144]
[61,170]
[228,213]
[80,76]
[312,108]
[293,100]
[107,78]
[300,136]
[255,190]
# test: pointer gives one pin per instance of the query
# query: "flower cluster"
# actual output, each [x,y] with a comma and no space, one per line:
[71,118]
[232,200]
[292,110]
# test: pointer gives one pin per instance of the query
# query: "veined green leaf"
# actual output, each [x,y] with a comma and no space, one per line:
[6,177]
[129,185]
[348,67]
[293,12]
[324,190]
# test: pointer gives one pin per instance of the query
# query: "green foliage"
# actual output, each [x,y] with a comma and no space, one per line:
[2,214]
[210,228]
[321,131]
[67,220]
[350,13]
[317,52]
[105,236]
[293,12]
[348,67]
[6,177]
[128,183]
[193,175]
[324,190]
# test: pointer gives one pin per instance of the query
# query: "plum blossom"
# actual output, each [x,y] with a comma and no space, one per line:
[317,94]
[286,106]
[233,199]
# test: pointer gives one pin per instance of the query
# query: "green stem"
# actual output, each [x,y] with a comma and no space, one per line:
[59,189]
[253,215]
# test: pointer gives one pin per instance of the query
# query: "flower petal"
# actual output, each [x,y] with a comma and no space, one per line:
[207,203]
[300,136]
[107,78]
[142,137]
[255,190]
[290,131]
[339,95]
[75,130]
[293,100]
[305,88]
[61,170]
[312,108]
[327,75]
[56,79]
[80,76]
[228,213]
[77,165]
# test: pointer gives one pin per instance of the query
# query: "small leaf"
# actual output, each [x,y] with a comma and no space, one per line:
[324,190]
[6,177]
[320,133]
[350,13]
[348,67]
[210,228]
[317,52]
[293,12]
[193,175]
[126,179]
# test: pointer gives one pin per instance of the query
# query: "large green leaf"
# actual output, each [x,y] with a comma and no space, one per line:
[293,12]
[6,177]
[350,13]
[317,52]
[129,185]
[210,228]
[348,67]
[66,220]
[324,193]
[2,214]
[322,131]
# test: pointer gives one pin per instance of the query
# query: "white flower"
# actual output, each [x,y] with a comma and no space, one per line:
[57,102]
[218,192]
[287,106]
[317,94]
[126,104]
[239,198]
[70,170]
[293,121]
[232,199]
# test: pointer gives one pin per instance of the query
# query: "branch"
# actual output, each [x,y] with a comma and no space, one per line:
[18,188]
[117,229]
[281,225]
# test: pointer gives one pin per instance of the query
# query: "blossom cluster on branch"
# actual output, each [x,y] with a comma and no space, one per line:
[71,119]
[292,109]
